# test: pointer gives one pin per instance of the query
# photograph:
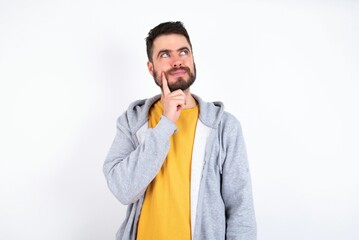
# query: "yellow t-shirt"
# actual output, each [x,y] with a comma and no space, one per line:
[166,210]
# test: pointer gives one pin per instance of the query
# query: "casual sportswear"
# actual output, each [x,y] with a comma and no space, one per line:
[221,192]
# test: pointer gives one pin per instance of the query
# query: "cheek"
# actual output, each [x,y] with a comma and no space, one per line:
[162,67]
[189,62]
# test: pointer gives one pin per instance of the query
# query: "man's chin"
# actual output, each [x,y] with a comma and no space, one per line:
[178,83]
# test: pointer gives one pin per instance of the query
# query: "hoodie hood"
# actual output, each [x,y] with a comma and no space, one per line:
[210,113]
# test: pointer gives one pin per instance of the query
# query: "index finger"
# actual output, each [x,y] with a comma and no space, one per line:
[165,88]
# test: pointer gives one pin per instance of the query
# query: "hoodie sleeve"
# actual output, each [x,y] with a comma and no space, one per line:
[129,167]
[236,186]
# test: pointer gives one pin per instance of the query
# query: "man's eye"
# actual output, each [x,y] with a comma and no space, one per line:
[184,52]
[164,55]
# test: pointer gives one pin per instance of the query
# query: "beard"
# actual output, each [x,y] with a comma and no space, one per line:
[180,82]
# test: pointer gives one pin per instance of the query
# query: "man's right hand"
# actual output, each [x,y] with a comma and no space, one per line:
[172,101]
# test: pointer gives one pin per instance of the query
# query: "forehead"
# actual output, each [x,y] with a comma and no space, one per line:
[170,42]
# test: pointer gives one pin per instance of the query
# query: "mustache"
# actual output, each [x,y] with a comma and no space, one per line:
[170,71]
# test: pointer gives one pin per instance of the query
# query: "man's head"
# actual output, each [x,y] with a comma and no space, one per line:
[169,50]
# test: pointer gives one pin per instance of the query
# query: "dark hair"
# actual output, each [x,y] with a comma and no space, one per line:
[164,29]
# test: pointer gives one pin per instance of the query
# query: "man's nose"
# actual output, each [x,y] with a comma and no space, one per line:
[177,62]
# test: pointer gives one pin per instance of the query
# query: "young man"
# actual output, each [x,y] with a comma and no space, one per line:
[179,163]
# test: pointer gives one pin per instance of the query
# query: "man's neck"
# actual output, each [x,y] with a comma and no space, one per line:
[190,101]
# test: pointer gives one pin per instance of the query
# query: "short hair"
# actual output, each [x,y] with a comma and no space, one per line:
[165,29]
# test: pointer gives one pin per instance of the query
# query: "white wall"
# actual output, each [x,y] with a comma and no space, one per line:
[288,71]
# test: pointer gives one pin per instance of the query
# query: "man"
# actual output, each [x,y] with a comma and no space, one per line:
[179,163]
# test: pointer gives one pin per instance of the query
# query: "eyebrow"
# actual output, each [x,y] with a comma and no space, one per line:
[168,51]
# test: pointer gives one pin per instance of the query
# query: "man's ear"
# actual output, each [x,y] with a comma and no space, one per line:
[150,67]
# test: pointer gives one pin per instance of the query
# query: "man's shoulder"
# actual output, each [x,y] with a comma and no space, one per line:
[214,113]
[140,105]
[136,113]
[230,124]
[230,117]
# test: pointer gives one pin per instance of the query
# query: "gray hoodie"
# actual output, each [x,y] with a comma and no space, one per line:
[221,194]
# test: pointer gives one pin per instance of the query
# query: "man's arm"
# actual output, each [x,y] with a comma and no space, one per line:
[236,187]
[128,168]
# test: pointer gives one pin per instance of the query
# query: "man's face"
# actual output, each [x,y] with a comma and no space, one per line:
[172,55]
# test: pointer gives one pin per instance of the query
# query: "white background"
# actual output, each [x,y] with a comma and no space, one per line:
[288,70]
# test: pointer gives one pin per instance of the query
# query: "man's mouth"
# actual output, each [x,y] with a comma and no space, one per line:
[178,72]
